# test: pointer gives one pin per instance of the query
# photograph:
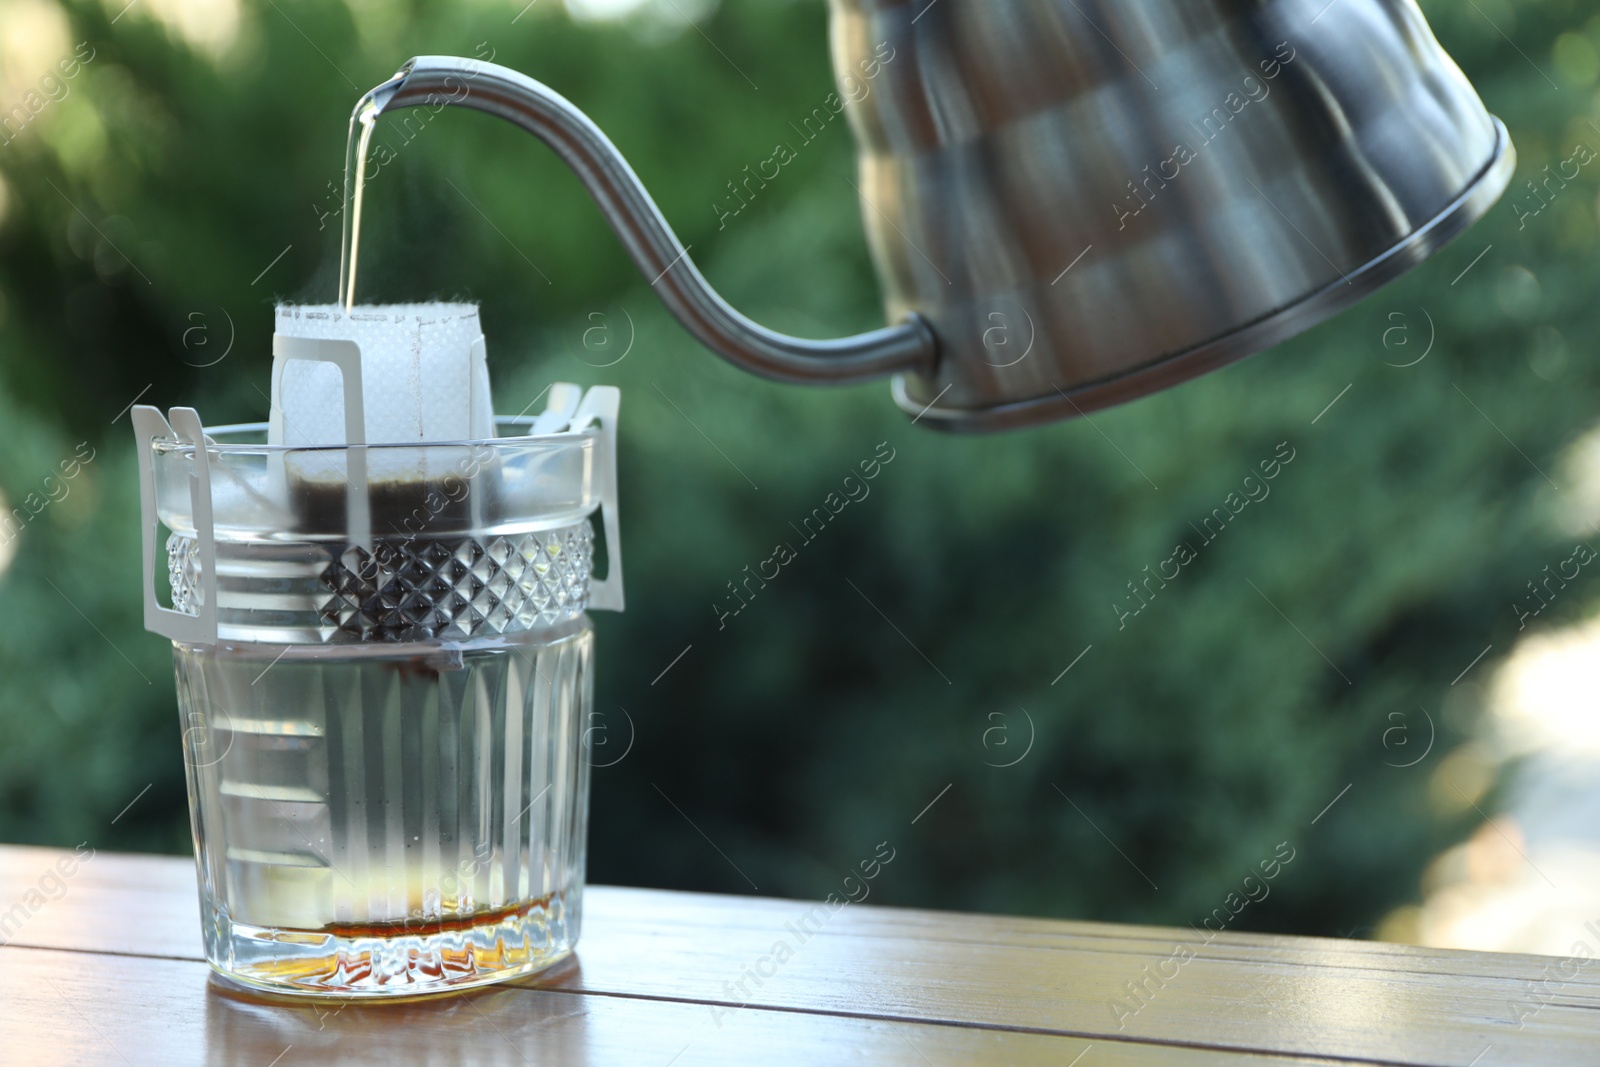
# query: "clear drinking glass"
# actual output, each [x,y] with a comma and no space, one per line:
[384,744]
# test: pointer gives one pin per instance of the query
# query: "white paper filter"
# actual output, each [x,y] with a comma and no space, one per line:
[420,381]
[423,378]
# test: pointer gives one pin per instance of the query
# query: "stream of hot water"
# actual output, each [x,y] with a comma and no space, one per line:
[359,141]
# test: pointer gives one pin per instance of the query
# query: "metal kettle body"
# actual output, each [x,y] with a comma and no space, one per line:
[1090,200]
[1072,203]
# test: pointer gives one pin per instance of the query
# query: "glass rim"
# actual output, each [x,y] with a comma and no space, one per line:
[562,437]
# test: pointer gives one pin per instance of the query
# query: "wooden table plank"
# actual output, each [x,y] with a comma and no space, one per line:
[890,968]
[108,902]
[147,905]
[1304,1007]
[712,912]
[84,1008]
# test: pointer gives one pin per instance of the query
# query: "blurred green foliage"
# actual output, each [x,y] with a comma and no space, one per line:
[154,214]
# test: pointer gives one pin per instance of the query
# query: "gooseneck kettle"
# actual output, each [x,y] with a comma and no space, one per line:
[1073,203]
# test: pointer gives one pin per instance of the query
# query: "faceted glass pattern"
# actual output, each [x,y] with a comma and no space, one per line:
[403,589]
[416,590]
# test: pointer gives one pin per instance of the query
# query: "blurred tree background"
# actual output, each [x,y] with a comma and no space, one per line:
[188,178]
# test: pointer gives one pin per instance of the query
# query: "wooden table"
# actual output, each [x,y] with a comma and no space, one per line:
[105,967]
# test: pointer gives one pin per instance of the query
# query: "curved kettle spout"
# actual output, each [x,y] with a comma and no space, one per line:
[644,232]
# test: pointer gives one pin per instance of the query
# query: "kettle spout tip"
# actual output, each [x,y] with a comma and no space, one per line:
[376,99]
